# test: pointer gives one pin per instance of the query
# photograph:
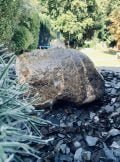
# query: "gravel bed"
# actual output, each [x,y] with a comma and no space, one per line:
[89,133]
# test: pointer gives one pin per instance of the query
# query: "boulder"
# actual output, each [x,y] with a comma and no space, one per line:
[57,43]
[60,74]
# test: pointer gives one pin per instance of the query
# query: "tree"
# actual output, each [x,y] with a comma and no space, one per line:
[8,18]
[115,25]
[73,18]
[26,34]
[112,5]
[19,24]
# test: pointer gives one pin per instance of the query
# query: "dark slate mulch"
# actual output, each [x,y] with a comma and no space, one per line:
[90,133]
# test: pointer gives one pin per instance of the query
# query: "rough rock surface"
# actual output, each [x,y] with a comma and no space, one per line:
[56,43]
[60,74]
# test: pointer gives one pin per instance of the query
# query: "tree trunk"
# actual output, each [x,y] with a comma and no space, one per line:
[118,45]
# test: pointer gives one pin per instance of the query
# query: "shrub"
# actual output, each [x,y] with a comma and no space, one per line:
[34,28]
[22,39]
[26,34]
[18,125]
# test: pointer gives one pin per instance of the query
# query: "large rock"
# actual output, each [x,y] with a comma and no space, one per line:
[57,43]
[60,74]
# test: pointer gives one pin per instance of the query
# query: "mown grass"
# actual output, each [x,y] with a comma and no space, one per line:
[102,58]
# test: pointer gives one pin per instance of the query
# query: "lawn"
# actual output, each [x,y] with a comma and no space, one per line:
[102,59]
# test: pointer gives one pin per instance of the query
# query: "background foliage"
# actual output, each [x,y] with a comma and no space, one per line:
[78,21]
[8,18]
[20,23]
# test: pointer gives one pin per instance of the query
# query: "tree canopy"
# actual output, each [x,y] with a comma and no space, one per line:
[19,24]
[115,23]
[8,18]
[76,20]
[73,18]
